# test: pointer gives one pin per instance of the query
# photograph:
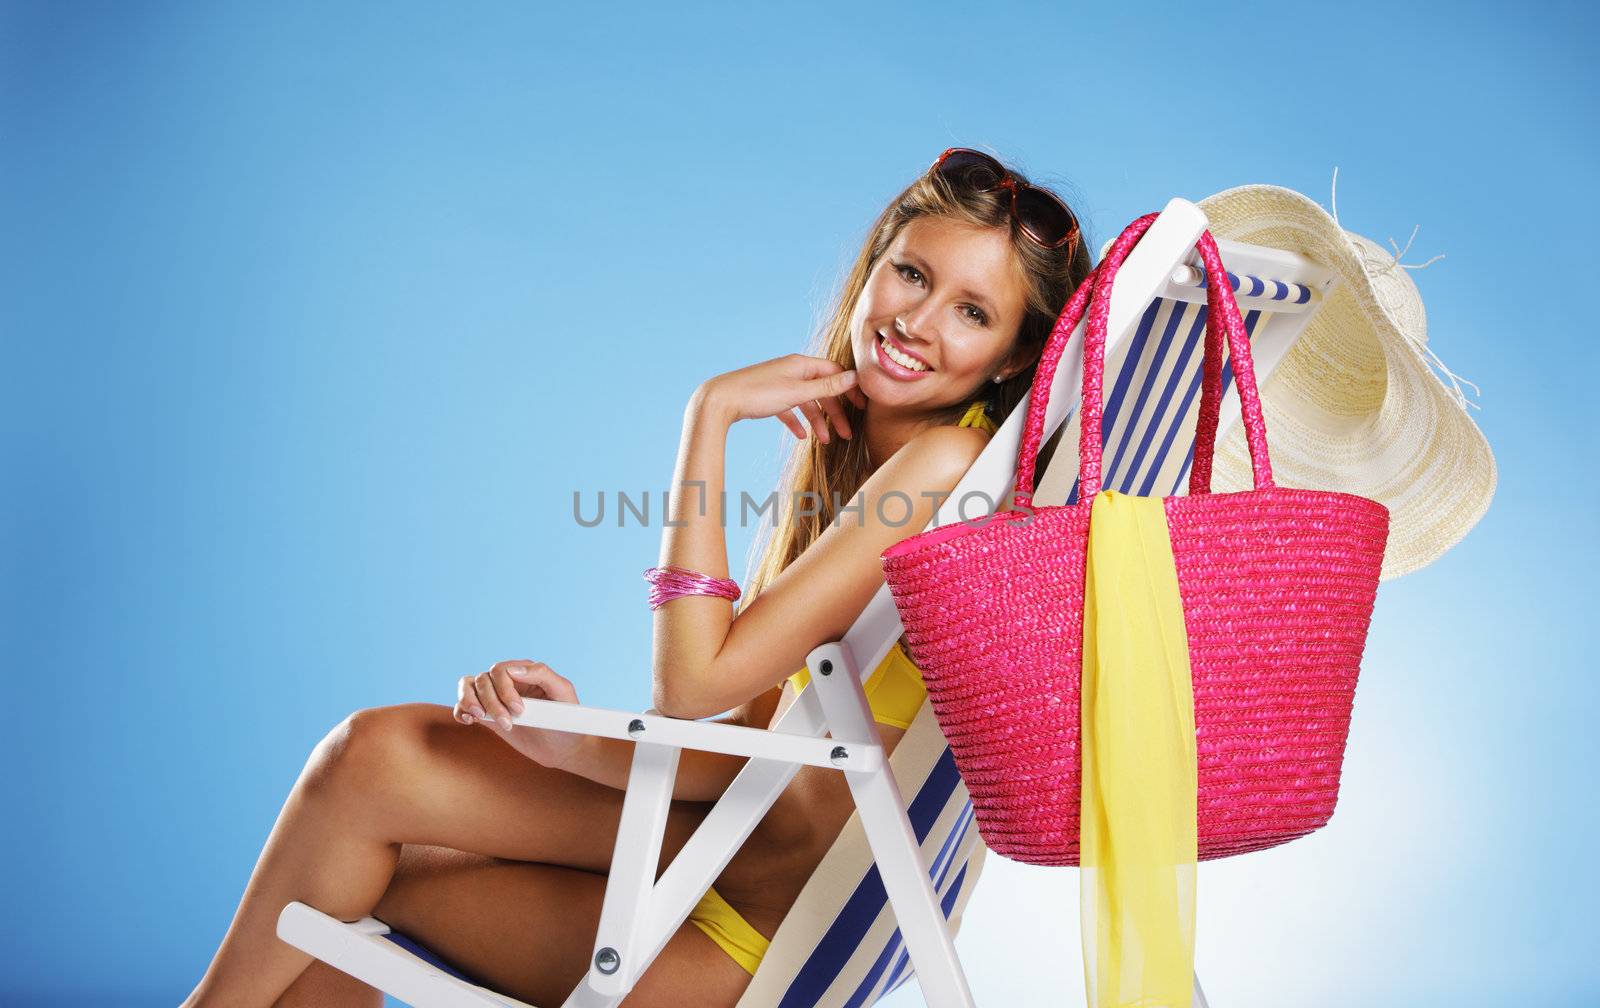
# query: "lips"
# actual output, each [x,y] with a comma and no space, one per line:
[892,367]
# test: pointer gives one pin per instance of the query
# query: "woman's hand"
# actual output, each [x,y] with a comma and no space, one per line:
[777,387]
[494,697]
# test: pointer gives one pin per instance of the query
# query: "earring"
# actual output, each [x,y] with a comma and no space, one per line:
[998,379]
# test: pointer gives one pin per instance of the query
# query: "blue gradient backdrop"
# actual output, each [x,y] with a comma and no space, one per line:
[314,316]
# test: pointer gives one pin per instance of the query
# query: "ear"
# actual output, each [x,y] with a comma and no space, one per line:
[1019,359]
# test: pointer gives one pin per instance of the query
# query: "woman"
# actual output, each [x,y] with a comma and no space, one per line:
[492,846]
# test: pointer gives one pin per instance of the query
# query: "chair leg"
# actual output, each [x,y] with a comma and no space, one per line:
[618,959]
[894,844]
[906,879]
[585,996]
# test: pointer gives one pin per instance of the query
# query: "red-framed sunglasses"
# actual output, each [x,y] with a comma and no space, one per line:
[1039,212]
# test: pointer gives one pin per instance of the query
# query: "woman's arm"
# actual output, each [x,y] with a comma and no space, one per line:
[720,661]
[495,697]
[689,632]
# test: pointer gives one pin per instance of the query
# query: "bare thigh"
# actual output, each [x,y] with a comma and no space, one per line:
[411,773]
[503,861]
[528,930]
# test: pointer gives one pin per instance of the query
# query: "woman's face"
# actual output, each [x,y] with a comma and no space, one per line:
[939,315]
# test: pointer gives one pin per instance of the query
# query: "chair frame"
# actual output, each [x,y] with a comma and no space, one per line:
[640,913]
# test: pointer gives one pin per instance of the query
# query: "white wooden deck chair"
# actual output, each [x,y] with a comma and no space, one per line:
[886,901]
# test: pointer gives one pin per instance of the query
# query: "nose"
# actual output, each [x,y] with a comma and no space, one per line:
[916,325]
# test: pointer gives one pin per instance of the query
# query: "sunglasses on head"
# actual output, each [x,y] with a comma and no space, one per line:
[1039,212]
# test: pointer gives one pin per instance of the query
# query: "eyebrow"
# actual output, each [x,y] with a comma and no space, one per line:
[971,295]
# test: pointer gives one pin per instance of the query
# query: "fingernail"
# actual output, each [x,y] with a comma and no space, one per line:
[505,723]
[516,708]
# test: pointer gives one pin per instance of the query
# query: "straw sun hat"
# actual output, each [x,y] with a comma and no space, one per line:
[1354,406]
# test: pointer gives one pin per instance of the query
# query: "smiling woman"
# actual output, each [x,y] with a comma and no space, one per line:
[489,841]
[935,321]
[947,277]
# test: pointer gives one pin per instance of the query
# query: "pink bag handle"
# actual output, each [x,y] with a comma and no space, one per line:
[1244,369]
[1221,304]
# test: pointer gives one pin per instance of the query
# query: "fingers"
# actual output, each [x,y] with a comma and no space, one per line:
[813,412]
[793,423]
[834,408]
[468,710]
[837,420]
[497,693]
[821,378]
[831,385]
[494,697]
[805,366]
[545,679]
[827,391]
[822,386]
[505,688]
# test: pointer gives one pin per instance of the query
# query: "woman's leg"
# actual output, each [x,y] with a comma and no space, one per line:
[526,930]
[322,986]
[408,774]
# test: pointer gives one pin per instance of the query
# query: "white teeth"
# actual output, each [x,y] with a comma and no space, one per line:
[905,361]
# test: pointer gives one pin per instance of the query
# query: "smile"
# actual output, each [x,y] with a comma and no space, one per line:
[898,362]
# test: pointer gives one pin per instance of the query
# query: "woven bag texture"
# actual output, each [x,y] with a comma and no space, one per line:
[1277,583]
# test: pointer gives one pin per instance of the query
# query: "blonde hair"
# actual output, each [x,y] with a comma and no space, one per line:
[834,471]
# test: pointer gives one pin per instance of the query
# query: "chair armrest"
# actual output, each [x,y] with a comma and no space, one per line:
[707,736]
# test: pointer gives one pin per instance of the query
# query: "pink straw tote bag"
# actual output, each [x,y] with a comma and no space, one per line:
[1277,584]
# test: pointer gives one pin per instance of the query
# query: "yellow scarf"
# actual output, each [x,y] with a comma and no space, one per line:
[1138,845]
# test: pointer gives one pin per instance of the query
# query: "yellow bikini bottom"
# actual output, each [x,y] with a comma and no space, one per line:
[895,693]
[728,928]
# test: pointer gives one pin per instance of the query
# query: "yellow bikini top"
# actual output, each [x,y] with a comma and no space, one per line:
[894,689]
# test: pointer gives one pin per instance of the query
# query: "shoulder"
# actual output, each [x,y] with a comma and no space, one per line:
[935,458]
[945,447]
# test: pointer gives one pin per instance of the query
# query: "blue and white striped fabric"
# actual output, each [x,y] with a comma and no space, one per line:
[839,946]
[1152,392]
[1252,286]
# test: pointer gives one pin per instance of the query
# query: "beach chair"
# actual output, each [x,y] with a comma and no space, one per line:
[886,902]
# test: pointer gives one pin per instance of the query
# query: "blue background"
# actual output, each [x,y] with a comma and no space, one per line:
[315,316]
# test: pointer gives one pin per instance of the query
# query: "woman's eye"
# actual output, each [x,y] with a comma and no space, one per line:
[914,275]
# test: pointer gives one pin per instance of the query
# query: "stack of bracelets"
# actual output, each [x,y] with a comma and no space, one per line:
[668,583]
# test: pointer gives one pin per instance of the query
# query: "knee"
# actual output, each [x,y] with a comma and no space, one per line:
[370,748]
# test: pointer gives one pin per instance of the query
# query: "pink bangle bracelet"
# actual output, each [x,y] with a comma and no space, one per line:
[668,583]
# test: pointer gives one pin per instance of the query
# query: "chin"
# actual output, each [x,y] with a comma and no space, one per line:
[885,391]
[880,388]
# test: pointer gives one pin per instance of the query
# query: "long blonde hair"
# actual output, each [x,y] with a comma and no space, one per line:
[834,471]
